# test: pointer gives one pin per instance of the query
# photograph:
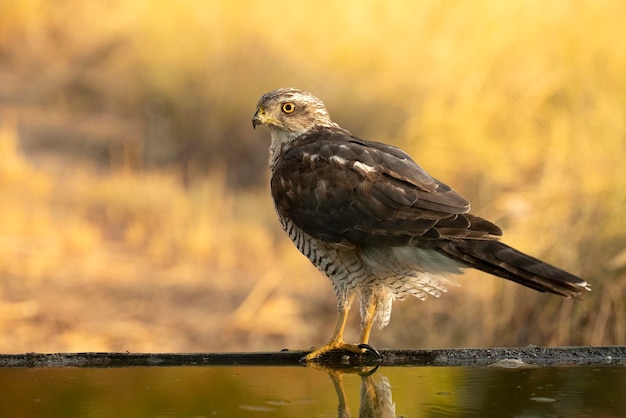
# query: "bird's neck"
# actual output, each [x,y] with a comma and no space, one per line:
[279,139]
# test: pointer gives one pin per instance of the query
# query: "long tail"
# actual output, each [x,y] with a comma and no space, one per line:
[497,258]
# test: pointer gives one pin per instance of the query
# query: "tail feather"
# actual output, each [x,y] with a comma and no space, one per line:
[499,259]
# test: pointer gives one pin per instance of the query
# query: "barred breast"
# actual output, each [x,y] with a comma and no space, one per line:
[342,266]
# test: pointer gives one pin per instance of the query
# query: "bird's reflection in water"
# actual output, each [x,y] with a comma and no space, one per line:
[376,400]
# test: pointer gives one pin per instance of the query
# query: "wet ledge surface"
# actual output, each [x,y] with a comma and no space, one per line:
[509,357]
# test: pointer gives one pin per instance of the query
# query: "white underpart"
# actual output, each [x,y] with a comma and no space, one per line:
[405,271]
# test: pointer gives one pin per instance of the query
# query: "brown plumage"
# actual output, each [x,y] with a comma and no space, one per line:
[374,221]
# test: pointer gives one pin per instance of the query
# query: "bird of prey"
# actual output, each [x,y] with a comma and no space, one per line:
[378,225]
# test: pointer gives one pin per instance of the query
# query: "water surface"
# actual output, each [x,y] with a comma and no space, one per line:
[232,391]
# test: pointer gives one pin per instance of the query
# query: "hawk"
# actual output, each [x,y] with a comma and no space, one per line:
[378,225]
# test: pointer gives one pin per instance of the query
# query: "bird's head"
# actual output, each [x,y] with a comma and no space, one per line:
[289,113]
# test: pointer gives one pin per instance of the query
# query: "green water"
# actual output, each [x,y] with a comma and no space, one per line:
[305,392]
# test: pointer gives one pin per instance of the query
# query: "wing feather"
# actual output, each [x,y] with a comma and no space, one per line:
[339,188]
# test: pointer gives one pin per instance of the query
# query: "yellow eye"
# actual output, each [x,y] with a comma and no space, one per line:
[289,107]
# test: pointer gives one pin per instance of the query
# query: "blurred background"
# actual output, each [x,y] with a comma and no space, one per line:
[135,213]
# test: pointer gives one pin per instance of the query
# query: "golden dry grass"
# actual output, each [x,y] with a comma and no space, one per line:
[521,106]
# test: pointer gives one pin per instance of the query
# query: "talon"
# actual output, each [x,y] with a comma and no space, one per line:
[368,348]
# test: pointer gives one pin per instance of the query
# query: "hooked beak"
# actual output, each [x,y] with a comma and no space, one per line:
[258,118]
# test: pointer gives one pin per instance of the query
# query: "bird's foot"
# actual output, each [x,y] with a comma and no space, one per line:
[341,346]
[338,345]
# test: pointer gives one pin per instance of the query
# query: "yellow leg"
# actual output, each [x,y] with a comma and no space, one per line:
[336,341]
[368,320]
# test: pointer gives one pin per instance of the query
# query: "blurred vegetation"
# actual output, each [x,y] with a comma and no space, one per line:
[135,210]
